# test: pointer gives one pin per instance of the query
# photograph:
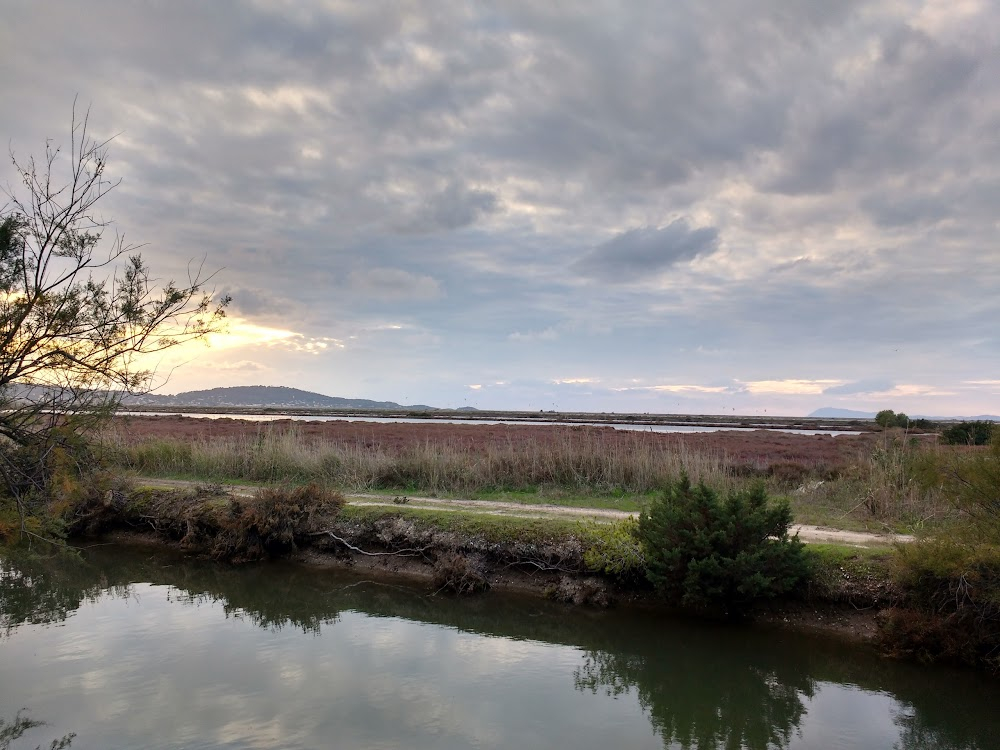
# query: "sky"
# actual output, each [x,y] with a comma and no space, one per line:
[679,207]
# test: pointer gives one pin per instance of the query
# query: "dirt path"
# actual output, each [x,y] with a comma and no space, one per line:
[813,534]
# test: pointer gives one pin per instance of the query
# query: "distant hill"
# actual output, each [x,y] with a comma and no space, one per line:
[265,396]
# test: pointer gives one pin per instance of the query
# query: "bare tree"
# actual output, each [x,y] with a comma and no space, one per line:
[78,312]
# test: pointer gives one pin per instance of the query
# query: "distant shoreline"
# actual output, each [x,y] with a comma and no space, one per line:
[832,424]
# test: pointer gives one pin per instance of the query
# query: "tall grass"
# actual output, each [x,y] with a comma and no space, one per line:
[891,478]
[585,463]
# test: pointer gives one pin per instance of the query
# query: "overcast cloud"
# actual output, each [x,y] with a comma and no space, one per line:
[672,207]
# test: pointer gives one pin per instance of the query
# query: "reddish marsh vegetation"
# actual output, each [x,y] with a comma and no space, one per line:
[758,449]
[827,477]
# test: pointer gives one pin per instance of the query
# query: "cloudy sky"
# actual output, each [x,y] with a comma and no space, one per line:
[656,206]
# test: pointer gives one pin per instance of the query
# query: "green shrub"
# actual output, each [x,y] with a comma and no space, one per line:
[614,549]
[970,479]
[968,433]
[950,606]
[720,556]
[888,418]
[950,581]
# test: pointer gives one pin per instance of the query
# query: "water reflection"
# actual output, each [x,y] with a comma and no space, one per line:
[22,723]
[41,590]
[475,668]
[705,698]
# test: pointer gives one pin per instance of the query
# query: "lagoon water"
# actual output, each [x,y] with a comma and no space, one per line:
[141,648]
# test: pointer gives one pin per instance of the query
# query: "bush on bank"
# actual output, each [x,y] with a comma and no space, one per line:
[950,580]
[949,608]
[614,550]
[720,555]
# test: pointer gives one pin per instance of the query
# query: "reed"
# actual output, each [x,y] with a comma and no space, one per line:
[586,463]
[892,490]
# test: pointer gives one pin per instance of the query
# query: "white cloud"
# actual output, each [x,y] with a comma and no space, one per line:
[243,365]
[547,334]
[789,387]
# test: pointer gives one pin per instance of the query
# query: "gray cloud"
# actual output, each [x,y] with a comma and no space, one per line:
[883,121]
[346,165]
[859,386]
[454,207]
[256,302]
[904,210]
[393,284]
[637,253]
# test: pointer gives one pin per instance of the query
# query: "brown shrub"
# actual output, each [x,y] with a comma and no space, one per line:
[590,591]
[958,637]
[209,519]
[458,574]
[272,520]
[788,473]
[950,602]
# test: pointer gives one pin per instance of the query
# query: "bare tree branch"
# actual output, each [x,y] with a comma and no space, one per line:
[76,320]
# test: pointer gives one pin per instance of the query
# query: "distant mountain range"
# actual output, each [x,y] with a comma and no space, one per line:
[832,413]
[265,396]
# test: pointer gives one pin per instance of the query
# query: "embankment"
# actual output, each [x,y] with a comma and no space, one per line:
[457,552]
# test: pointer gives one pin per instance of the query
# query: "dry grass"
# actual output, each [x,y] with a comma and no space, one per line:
[878,490]
[582,463]
[893,492]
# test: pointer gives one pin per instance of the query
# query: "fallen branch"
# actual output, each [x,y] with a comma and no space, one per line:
[54,542]
[542,566]
[398,553]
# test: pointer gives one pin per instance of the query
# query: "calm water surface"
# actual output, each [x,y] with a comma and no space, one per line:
[134,648]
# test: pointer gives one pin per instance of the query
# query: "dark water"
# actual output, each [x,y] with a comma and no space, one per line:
[133,648]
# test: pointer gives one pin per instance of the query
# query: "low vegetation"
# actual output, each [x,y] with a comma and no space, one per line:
[208,519]
[588,463]
[875,491]
[614,549]
[950,579]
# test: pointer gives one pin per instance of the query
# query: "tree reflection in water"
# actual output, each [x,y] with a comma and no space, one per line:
[39,590]
[702,685]
[704,703]
[16,728]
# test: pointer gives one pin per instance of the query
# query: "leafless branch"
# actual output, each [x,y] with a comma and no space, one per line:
[397,553]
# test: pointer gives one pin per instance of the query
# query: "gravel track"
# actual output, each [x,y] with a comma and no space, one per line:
[809,534]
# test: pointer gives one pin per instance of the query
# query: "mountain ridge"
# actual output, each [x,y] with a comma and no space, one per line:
[265,396]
